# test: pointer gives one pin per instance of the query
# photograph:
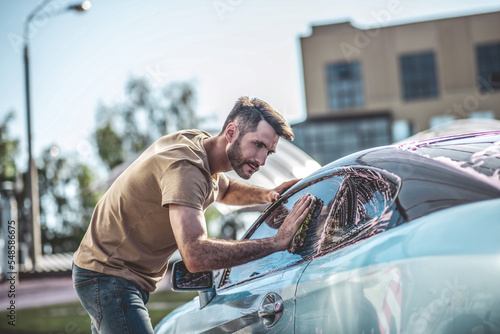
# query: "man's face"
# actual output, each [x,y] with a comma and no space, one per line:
[246,154]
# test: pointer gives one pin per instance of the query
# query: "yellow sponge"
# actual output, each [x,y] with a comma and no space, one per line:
[300,235]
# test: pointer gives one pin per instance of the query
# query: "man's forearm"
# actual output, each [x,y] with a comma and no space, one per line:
[211,254]
[201,253]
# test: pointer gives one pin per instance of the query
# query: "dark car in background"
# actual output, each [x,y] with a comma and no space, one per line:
[404,239]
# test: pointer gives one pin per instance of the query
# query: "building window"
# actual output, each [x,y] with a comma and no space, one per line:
[344,85]
[329,140]
[418,73]
[488,67]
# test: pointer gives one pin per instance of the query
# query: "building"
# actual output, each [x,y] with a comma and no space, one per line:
[369,87]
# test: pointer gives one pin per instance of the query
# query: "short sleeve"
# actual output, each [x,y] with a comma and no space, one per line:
[223,178]
[184,184]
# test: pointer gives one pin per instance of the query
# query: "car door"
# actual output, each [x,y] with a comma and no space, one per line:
[258,297]
[337,292]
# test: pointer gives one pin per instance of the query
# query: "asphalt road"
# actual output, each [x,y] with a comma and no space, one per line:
[37,292]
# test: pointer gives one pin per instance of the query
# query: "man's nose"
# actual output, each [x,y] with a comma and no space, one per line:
[261,159]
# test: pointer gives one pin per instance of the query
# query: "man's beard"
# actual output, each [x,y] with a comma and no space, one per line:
[237,161]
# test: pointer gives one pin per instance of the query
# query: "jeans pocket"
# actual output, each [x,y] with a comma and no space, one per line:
[88,293]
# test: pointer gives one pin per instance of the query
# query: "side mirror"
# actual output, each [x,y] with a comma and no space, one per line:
[184,280]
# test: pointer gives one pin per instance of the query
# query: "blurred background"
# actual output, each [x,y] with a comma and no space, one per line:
[86,86]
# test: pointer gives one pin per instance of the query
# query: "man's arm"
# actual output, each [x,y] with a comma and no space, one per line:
[201,253]
[233,192]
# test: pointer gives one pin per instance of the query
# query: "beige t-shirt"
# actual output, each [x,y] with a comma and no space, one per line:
[130,235]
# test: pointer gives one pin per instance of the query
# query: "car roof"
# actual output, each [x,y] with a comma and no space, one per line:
[478,151]
[435,173]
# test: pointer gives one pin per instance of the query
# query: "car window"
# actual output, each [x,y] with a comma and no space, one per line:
[325,190]
[363,207]
[353,204]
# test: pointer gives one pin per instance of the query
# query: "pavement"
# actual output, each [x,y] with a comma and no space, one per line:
[39,292]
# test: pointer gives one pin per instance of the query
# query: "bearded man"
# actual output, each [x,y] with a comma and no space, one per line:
[157,204]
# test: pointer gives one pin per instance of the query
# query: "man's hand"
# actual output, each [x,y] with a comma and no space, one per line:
[292,222]
[279,190]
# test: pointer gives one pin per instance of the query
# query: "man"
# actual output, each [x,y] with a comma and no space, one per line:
[156,207]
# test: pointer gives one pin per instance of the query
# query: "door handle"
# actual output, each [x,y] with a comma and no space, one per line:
[271,309]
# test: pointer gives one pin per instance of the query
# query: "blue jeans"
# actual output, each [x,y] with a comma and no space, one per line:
[115,305]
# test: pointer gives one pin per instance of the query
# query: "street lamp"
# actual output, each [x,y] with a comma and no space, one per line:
[35,247]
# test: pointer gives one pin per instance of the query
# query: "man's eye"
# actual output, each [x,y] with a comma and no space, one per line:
[259,145]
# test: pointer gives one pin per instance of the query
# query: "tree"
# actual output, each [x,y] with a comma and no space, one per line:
[8,150]
[125,129]
[66,200]
[181,96]
[109,145]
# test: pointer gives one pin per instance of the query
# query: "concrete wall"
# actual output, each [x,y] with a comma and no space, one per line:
[378,50]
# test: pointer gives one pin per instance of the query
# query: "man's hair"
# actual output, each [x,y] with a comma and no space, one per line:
[247,115]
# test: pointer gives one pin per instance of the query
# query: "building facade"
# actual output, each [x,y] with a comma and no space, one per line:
[385,83]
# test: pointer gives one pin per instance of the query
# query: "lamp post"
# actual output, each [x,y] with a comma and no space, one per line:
[35,244]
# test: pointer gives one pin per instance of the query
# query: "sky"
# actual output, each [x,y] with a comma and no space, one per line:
[227,48]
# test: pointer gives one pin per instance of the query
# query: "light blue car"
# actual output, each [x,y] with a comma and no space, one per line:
[404,239]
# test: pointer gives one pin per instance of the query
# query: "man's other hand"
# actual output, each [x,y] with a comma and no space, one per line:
[279,190]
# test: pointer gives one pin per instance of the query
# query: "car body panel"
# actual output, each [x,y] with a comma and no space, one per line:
[412,267]
[235,308]
[425,260]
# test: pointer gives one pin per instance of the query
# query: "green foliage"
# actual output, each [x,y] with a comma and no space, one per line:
[109,146]
[181,97]
[211,214]
[8,150]
[125,129]
[64,190]
[66,200]
[63,318]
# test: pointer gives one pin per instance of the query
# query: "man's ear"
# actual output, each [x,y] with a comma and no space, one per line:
[231,132]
